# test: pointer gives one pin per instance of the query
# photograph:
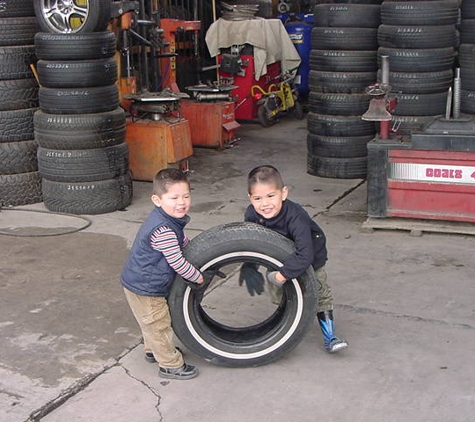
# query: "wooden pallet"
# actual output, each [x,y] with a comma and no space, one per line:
[417,227]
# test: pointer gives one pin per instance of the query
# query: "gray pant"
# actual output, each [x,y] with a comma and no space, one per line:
[325,299]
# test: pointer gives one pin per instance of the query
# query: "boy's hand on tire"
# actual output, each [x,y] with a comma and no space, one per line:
[206,278]
[253,278]
[272,278]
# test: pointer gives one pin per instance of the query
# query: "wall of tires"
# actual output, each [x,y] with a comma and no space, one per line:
[343,62]
[62,132]
[80,127]
[466,57]
[420,38]
[20,181]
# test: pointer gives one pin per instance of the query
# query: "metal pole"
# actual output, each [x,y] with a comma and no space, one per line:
[384,126]
[448,106]
[457,92]
[145,82]
[385,70]
[213,5]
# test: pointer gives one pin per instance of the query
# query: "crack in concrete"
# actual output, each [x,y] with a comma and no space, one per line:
[342,196]
[149,387]
[65,395]
[79,386]
[360,310]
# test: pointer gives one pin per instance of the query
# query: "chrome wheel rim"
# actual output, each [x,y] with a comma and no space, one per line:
[65,16]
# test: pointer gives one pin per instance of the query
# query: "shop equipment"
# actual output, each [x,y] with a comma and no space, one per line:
[250,52]
[210,112]
[299,27]
[181,38]
[237,68]
[280,97]
[428,175]
[157,136]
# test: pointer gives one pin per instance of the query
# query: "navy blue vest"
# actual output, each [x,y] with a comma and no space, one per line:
[146,271]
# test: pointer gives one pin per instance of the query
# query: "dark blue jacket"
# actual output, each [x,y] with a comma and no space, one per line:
[294,223]
[146,271]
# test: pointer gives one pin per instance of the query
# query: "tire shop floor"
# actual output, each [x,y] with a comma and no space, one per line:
[71,350]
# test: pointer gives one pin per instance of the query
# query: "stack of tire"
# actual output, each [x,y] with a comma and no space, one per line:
[466,57]
[80,128]
[420,38]
[343,62]
[20,181]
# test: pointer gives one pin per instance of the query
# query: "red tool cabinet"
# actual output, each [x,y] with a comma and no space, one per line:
[212,124]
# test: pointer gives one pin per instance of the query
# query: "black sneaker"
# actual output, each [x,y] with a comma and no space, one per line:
[151,359]
[184,372]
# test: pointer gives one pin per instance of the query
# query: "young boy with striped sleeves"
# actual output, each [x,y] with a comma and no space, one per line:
[154,259]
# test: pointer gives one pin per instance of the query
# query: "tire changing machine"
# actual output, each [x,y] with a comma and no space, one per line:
[210,113]
[428,175]
[157,136]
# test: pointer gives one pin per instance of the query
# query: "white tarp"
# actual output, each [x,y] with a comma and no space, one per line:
[269,38]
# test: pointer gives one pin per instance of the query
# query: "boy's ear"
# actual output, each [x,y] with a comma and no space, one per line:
[155,199]
[285,193]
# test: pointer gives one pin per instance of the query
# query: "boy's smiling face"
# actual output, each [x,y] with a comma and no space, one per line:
[175,201]
[267,198]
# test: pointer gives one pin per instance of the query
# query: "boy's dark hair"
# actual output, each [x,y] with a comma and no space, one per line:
[264,174]
[167,177]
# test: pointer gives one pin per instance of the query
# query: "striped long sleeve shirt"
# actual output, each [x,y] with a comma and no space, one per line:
[165,241]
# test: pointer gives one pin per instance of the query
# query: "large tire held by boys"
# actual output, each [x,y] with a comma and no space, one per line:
[226,325]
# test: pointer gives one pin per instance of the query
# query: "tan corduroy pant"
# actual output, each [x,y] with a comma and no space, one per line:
[153,317]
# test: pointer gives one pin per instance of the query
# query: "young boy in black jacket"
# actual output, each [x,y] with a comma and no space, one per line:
[271,208]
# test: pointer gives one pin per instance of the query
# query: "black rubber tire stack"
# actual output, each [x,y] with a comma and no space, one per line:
[466,57]
[20,181]
[420,38]
[80,128]
[343,62]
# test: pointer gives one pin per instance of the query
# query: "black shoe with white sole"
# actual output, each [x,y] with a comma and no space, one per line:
[184,372]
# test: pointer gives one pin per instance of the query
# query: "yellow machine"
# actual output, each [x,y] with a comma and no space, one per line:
[280,97]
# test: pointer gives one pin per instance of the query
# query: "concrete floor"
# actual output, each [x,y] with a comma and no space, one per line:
[71,351]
